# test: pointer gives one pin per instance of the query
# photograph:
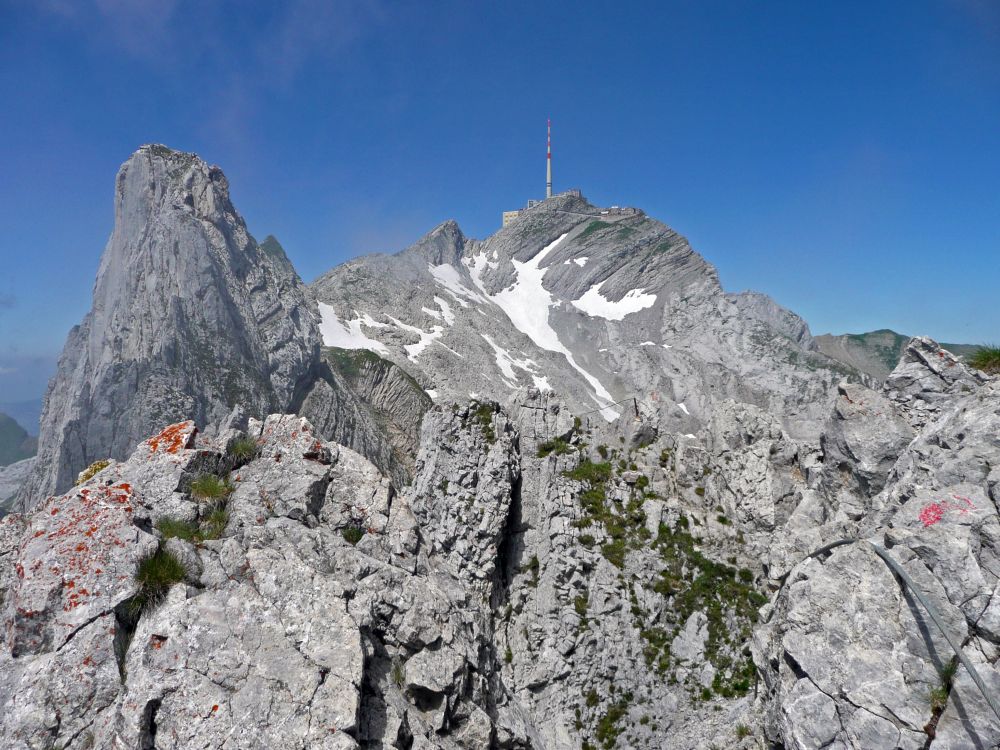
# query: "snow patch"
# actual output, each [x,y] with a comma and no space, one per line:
[426,337]
[597,305]
[351,336]
[448,277]
[648,343]
[541,383]
[444,314]
[527,304]
[431,392]
[581,261]
[507,363]
[683,408]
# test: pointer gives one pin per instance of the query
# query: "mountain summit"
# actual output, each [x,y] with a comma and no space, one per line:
[190,317]
[550,490]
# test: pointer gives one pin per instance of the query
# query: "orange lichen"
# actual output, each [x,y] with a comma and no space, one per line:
[173,438]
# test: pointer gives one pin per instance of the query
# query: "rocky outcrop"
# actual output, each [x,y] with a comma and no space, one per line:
[599,306]
[190,317]
[849,657]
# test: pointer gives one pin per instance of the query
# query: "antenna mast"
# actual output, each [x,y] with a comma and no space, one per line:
[548,164]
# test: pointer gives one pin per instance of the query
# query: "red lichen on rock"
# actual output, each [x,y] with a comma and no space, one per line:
[173,438]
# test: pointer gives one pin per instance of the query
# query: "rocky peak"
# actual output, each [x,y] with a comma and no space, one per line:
[189,318]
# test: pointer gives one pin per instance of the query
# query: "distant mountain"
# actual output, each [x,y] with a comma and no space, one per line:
[15,443]
[28,413]
[875,353]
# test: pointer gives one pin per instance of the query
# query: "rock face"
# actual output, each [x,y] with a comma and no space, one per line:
[552,490]
[875,353]
[849,659]
[190,317]
[598,306]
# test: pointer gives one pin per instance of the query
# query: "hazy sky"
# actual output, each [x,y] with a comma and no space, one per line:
[843,157]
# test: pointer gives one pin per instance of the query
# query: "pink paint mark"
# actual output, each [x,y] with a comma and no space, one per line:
[931,513]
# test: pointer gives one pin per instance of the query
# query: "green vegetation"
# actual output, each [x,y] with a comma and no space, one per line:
[155,575]
[624,524]
[532,567]
[242,450]
[508,655]
[603,450]
[987,359]
[743,731]
[351,363]
[210,487]
[580,604]
[173,528]
[608,728]
[352,534]
[482,413]
[92,470]
[397,673]
[939,695]
[594,226]
[695,582]
[15,442]
[556,445]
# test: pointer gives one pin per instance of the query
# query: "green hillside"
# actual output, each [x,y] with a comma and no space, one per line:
[15,443]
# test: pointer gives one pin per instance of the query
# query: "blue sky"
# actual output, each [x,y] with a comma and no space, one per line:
[843,157]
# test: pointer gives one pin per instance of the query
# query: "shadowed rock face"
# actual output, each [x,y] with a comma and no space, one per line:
[190,317]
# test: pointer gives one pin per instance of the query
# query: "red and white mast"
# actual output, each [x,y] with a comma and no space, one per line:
[548,164]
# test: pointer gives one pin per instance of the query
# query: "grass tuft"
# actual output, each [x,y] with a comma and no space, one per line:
[210,487]
[987,359]
[243,450]
[352,534]
[155,575]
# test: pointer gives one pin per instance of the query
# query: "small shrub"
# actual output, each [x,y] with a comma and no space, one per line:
[155,575]
[210,487]
[580,604]
[939,699]
[592,698]
[172,528]
[352,534]
[987,359]
[614,552]
[91,470]
[743,731]
[214,524]
[723,520]
[508,655]
[603,450]
[587,540]
[397,673]
[699,491]
[557,446]
[243,450]
[483,414]
[532,567]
